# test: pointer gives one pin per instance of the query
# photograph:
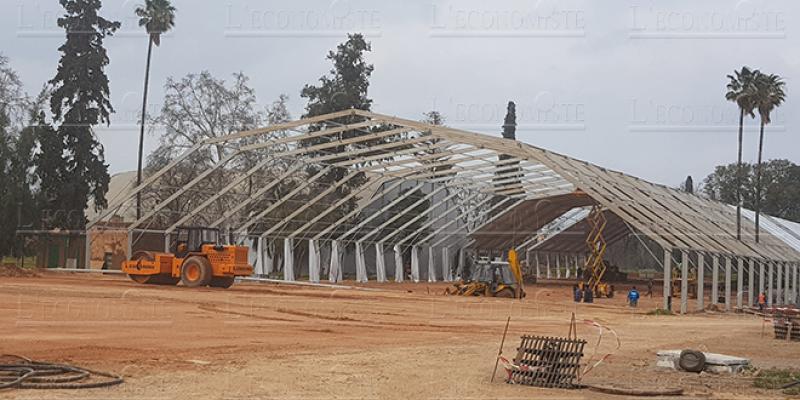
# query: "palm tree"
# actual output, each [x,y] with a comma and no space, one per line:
[157,16]
[769,95]
[741,90]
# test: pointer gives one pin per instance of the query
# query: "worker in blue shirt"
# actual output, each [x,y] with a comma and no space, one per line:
[633,297]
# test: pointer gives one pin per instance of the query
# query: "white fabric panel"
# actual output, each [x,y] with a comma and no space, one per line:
[538,269]
[335,271]
[415,263]
[259,269]
[288,259]
[269,256]
[447,271]
[380,265]
[361,264]
[313,261]
[548,266]
[431,265]
[398,264]
[558,267]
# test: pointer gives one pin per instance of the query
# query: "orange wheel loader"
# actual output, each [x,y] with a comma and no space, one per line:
[197,260]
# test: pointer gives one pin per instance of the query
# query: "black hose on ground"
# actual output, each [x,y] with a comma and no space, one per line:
[635,392]
[30,374]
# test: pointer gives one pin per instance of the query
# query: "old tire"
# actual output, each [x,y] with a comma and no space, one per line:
[196,271]
[222,282]
[692,361]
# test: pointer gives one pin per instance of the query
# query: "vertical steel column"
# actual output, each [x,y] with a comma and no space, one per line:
[461,261]
[796,291]
[728,266]
[770,285]
[751,285]
[715,279]
[788,290]
[684,281]
[779,298]
[447,270]
[761,278]
[739,282]
[667,279]
[87,251]
[701,284]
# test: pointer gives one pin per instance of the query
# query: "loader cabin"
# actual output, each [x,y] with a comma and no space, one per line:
[189,239]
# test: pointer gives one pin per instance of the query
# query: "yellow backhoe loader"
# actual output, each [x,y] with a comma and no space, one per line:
[492,279]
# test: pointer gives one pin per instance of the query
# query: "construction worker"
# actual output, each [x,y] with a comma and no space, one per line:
[650,287]
[633,297]
[576,293]
[762,301]
[588,296]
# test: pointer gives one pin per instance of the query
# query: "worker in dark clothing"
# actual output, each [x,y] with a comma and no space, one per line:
[588,296]
[576,293]
[650,287]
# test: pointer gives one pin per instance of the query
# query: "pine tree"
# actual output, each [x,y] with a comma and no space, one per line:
[79,101]
[507,182]
[344,88]
[688,185]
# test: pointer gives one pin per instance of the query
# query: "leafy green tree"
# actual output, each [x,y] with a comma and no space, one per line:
[769,95]
[345,87]
[434,118]
[199,107]
[741,90]
[158,17]
[780,182]
[19,125]
[79,101]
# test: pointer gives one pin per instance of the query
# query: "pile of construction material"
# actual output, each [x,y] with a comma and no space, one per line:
[786,324]
[695,361]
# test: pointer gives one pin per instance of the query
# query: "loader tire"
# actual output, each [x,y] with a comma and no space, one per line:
[506,293]
[692,361]
[222,282]
[196,271]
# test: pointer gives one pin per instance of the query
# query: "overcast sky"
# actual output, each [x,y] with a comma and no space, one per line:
[632,85]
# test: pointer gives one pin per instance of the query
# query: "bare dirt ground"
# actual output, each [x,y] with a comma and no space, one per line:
[406,341]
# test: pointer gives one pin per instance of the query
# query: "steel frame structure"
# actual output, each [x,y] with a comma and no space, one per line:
[450,167]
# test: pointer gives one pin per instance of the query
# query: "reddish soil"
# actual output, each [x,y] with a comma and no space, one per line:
[402,341]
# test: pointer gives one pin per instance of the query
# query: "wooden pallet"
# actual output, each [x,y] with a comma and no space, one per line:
[549,362]
[787,328]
